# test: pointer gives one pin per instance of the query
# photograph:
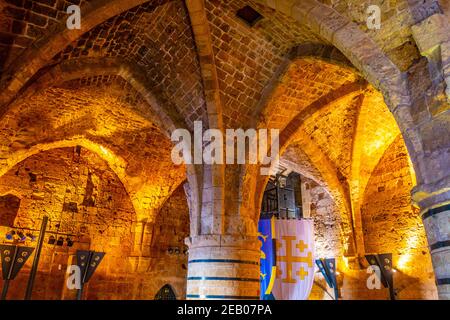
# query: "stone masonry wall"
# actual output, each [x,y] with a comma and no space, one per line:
[84,198]
[23,21]
[392,225]
[326,223]
[327,234]
[104,115]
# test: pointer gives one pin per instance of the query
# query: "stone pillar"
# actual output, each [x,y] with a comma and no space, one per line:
[435,212]
[306,199]
[223,267]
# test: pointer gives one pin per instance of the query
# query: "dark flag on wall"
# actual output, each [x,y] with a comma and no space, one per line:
[384,263]
[13,259]
[88,262]
[321,265]
[328,269]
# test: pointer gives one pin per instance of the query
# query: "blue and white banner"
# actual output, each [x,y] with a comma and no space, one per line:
[295,259]
[266,230]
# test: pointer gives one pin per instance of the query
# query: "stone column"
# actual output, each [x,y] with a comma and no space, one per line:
[306,199]
[223,267]
[435,212]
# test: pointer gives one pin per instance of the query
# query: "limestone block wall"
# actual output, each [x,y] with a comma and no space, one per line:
[326,223]
[157,37]
[246,58]
[327,233]
[106,115]
[87,202]
[390,225]
[23,22]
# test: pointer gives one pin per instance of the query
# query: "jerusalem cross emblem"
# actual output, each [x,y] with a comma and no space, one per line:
[290,258]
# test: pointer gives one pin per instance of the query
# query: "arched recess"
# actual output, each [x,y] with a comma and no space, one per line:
[98,117]
[36,57]
[88,209]
[371,132]
[114,161]
[9,207]
[391,223]
[164,116]
[167,242]
[268,114]
[166,293]
[120,149]
[326,177]
[367,57]
[135,187]
[107,224]
[33,62]
[350,86]
[145,262]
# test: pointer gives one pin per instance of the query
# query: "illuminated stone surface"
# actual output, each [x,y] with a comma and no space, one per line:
[363,116]
[137,263]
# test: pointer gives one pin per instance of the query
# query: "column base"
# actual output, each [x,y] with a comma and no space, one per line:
[435,212]
[223,267]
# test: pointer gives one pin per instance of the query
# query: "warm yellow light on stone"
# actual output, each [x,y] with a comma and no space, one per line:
[105,152]
[411,242]
[374,146]
[345,260]
[412,171]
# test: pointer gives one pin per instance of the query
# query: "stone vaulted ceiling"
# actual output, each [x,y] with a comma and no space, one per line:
[138,69]
[355,108]
[105,115]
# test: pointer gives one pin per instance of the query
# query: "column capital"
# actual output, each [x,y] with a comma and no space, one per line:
[217,240]
[427,196]
[430,33]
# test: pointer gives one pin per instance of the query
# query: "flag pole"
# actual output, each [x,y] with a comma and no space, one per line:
[36,259]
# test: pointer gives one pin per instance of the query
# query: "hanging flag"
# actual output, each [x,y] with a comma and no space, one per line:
[266,230]
[13,259]
[88,262]
[295,259]
[321,265]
